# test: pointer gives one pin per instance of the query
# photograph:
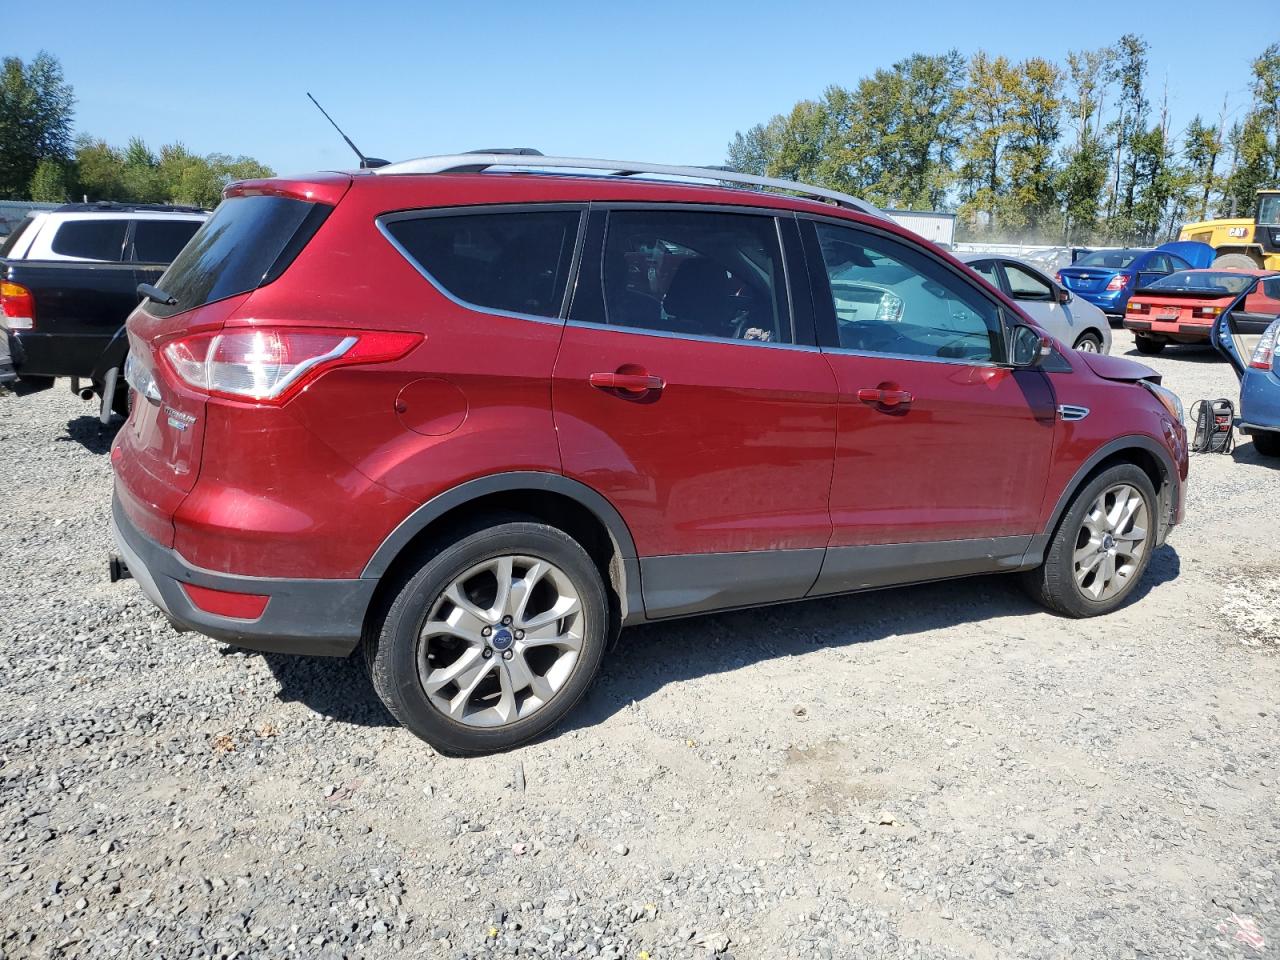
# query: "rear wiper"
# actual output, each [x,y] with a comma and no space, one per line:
[147,292]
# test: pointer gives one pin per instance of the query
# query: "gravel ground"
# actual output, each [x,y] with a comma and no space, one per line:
[940,771]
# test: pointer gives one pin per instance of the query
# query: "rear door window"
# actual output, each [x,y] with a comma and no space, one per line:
[513,261]
[97,239]
[696,273]
[158,241]
[247,242]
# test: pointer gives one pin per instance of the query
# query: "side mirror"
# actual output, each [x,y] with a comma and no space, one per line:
[1028,346]
[1064,295]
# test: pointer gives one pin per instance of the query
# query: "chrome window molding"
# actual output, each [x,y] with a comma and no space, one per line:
[697,338]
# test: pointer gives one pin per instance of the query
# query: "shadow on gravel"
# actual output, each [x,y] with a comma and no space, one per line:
[90,433]
[1246,453]
[651,656]
[337,688]
[1188,352]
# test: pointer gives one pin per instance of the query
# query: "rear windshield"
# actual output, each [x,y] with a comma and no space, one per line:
[1111,259]
[247,242]
[11,241]
[1209,282]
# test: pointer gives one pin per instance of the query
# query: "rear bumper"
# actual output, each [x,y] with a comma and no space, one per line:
[1184,332]
[313,617]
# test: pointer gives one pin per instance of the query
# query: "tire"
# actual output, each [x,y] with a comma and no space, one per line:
[1148,346]
[469,561]
[1267,444]
[1089,343]
[1055,584]
[1236,261]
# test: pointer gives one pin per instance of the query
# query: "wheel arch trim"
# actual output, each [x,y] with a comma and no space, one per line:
[513,482]
[1107,450]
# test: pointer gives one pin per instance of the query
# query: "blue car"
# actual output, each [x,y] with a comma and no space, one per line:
[1108,278]
[1246,334]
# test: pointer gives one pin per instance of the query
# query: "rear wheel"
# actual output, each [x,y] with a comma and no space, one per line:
[493,639]
[1148,345]
[1102,546]
[1236,261]
[1089,343]
[1267,444]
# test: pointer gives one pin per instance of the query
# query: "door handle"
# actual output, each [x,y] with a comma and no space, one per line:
[885,397]
[632,383]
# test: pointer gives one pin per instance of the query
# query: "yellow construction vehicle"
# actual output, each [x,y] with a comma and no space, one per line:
[1243,243]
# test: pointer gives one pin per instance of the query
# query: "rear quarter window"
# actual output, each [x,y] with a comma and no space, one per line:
[247,242]
[90,239]
[159,241]
[512,261]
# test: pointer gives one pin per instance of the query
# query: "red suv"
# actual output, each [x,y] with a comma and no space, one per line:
[474,418]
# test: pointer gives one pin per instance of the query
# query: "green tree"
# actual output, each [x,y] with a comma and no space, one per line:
[99,170]
[49,184]
[1129,70]
[1201,148]
[1255,143]
[1084,164]
[989,122]
[35,120]
[1031,204]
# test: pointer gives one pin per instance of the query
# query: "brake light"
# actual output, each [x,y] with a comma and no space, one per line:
[1118,282]
[1057,278]
[1205,313]
[1264,354]
[17,306]
[273,364]
[1138,307]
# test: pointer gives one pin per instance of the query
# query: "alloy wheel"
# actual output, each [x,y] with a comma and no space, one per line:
[500,641]
[1111,542]
[1088,345]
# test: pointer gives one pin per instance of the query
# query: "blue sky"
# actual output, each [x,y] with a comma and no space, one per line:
[660,81]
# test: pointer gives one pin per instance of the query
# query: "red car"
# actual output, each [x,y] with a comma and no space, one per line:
[472,419]
[1182,307]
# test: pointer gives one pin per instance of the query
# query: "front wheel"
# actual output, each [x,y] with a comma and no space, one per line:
[1267,444]
[1102,546]
[1148,346]
[1089,343]
[493,639]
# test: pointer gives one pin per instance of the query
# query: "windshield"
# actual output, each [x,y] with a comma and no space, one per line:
[1211,282]
[1111,259]
[238,249]
[1269,209]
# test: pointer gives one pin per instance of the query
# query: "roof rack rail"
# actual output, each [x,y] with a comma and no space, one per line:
[119,206]
[478,162]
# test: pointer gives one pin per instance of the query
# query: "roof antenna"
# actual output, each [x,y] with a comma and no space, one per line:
[366,163]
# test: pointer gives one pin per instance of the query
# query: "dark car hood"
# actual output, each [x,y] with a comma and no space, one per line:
[1118,368]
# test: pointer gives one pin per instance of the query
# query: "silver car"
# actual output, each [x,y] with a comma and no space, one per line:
[1072,320]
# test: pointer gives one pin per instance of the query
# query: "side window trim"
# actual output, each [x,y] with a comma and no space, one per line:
[824,304]
[582,209]
[590,300]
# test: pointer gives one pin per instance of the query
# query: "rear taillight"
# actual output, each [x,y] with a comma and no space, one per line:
[1264,354]
[1057,277]
[1118,282]
[1135,307]
[273,364]
[17,306]
[1205,313]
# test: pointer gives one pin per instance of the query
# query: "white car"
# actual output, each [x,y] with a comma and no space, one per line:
[1072,320]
